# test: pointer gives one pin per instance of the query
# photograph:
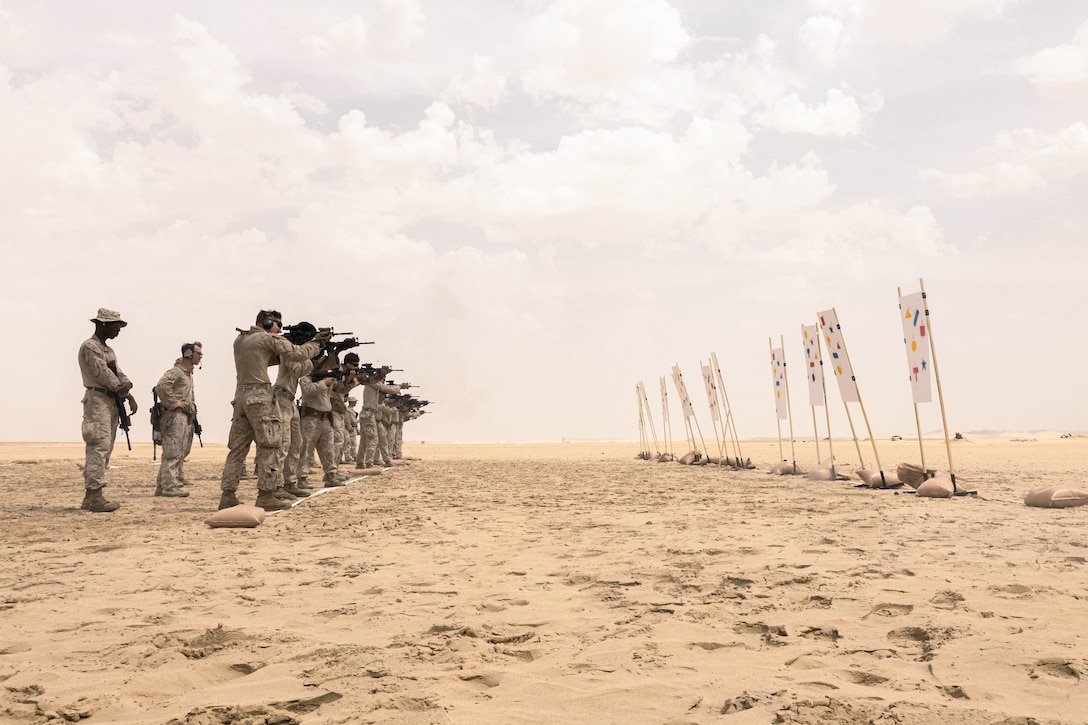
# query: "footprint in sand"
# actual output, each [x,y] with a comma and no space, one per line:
[919,641]
[890,610]
[867,679]
[1017,591]
[1055,667]
[946,599]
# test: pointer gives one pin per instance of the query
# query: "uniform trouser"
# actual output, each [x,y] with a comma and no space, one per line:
[397,432]
[338,433]
[256,420]
[368,439]
[99,433]
[177,442]
[317,435]
[383,442]
[292,437]
[349,445]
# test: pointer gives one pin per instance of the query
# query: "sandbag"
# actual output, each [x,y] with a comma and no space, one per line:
[911,474]
[690,458]
[241,516]
[873,479]
[1055,497]
[940,486]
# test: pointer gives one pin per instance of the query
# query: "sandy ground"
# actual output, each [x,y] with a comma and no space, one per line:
[549,583]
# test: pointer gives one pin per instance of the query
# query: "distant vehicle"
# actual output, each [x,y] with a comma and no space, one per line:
[897,438]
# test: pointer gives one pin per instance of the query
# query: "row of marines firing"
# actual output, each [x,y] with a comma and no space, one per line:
[286,434]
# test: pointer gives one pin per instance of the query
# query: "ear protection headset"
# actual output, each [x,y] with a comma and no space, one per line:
[267,319]
[189,349]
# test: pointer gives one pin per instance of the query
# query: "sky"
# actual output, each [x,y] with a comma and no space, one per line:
[529,206]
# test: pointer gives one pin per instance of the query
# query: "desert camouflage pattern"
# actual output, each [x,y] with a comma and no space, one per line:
[176,385]
[99,428]
[256,416]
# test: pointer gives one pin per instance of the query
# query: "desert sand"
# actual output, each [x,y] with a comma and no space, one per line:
[549,583]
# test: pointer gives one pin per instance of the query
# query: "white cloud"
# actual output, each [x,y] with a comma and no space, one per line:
[921,21]
[545,186]
[384,29]
[481,84]
[1023,160]
[838,115]
[582,48]
[1060,67]
[819,38]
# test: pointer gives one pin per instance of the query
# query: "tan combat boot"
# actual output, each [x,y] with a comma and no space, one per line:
[268,501]
[94,501]
[228,500]
[294,490]
[172,493]
[283,494]
[330,480]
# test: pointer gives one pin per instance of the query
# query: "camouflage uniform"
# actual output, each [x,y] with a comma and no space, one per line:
[96,359]
[385,417]
[396,433]
[285,388]
[351,431]
[176,424]
[256,414]
[339,409]
[368,422]
[317,432]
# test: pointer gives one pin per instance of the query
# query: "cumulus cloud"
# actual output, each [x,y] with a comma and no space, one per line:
[1022,160]
[922,21]
[819,38]
[582,48]
[581,179]
[838,115]
[383,29]
[1061,67]
[481,83]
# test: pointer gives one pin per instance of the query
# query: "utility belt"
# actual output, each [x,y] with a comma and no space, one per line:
[308,412]
[101,390]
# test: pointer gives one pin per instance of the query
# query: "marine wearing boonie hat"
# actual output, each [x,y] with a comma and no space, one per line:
[107,315]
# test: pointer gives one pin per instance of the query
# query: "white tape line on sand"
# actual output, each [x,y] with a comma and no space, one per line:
[317,493]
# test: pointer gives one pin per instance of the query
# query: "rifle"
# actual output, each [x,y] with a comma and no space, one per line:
[334,347]
[124,422]
[198,429]
[335,374]
[156,424]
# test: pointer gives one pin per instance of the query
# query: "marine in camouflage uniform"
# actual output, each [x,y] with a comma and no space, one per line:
[317,434]
[374,390]
[396,434]
[337,395]
[351,430]
[178,398]
[385,415]
[256,416]
[105,384]
[285,389]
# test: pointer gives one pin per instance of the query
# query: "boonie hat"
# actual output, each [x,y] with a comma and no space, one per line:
[106,315]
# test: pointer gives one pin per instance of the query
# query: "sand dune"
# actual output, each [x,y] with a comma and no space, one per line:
[549,583]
